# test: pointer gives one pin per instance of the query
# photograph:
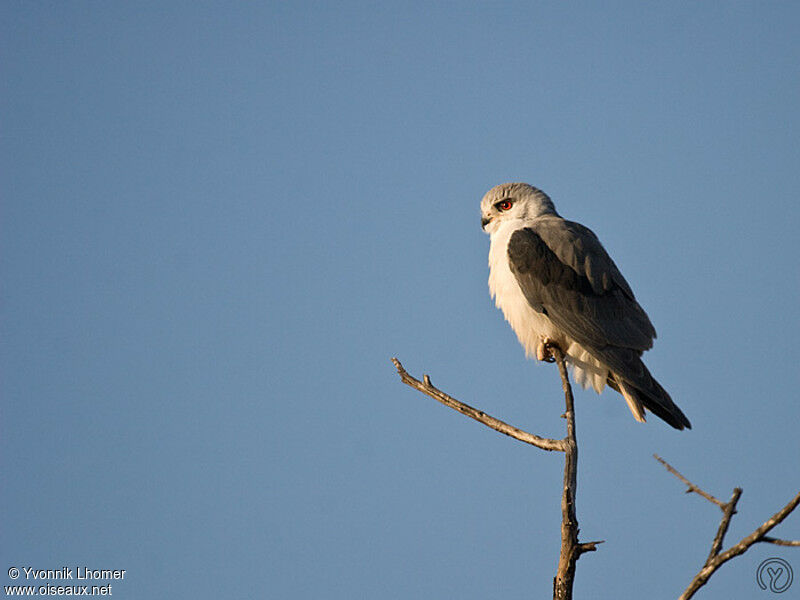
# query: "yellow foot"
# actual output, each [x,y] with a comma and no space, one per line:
[543,350]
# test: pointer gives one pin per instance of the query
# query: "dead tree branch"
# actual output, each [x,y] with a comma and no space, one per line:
[571,548]
[779,542]
[691,487]
[717,557]
[728,510]
[426,387]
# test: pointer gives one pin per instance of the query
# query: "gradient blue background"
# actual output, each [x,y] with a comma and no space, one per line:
[220,221]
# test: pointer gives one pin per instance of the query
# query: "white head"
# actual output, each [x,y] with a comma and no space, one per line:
[511,201]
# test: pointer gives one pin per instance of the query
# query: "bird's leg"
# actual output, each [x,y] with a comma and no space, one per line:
[543,351]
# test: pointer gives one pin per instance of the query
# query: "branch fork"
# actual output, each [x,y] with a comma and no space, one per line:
[571,548]
[717,557]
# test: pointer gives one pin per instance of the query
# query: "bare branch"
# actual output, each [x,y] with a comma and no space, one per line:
[692,487]
[762,530]
[571,549]
[779,542]
[727,513]
[744,544]
[429,389]
[716,558]
[589,546]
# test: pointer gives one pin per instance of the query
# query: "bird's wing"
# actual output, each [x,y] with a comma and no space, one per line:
[565,272]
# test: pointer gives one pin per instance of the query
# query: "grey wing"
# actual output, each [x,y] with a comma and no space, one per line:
[565,272]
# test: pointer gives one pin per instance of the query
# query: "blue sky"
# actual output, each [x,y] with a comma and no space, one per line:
[220,221]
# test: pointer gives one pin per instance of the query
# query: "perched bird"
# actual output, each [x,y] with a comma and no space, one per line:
[556,284]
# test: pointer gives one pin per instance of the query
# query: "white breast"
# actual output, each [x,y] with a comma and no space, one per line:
[529,325]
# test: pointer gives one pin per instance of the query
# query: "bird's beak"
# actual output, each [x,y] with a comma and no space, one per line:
[484,222]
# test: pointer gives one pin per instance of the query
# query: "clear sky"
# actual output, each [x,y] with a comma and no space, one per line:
[220,220]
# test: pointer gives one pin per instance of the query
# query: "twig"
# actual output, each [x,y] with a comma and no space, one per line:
[426,387]
[716,558]
[779,542]
[727,513]
[692,487]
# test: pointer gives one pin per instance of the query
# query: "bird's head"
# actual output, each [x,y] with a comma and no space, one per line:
[512,201]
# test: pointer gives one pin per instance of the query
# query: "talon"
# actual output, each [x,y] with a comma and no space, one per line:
[543,351]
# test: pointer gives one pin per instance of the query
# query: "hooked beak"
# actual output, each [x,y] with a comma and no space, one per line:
[484,222]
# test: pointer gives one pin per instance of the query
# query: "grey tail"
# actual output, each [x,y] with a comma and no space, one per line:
[655,399]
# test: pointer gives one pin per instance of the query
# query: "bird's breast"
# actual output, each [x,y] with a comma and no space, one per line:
[529,325]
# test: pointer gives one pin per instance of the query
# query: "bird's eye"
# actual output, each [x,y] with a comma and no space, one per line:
[504,204]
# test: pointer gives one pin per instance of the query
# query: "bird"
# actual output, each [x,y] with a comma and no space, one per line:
[557,285]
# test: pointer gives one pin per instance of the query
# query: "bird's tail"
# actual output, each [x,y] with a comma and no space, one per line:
[632,398]
[631,378]
[655,399]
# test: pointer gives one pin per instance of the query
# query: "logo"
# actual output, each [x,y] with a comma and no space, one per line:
[775,575]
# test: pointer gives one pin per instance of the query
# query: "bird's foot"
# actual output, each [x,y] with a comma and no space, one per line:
[543,351]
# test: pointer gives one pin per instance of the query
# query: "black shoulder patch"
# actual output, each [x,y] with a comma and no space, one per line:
[528,254]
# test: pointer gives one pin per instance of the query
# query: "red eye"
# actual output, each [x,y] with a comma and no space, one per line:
[504,204]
